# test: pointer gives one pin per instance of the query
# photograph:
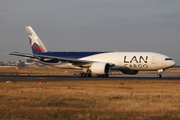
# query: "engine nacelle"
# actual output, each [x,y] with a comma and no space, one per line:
[131,72]
[100,68]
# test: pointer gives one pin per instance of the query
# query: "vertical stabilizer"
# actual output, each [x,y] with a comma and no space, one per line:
[37,45]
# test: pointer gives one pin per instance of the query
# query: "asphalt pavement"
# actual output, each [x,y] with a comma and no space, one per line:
[149,77]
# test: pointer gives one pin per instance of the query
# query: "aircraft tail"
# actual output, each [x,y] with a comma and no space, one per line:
[37,45]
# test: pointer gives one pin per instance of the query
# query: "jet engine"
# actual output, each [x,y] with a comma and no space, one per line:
[100,68]
[130,72]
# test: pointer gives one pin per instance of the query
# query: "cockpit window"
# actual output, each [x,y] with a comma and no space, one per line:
[168,58]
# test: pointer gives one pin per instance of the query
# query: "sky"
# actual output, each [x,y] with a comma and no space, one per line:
[91,25]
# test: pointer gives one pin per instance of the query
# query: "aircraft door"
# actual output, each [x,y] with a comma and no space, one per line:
[153,60]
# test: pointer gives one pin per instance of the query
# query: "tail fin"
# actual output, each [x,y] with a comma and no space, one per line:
[37,45]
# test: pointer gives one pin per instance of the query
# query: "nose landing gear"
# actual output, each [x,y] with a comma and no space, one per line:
[159,75]
[160,72]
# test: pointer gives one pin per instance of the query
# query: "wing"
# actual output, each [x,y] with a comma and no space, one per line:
[80,63]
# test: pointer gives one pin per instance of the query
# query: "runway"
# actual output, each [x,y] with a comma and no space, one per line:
[149,77]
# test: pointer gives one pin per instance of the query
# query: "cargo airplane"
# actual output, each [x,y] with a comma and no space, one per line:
[98,63]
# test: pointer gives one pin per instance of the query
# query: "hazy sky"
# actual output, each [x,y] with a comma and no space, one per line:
[91,25]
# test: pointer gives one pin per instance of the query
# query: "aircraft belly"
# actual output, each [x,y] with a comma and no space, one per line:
[58,65]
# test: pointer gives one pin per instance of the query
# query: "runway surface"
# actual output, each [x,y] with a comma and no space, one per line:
[149,77]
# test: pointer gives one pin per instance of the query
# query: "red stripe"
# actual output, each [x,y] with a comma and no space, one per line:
[39,49]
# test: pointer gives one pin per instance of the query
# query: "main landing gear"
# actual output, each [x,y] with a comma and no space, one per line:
[89,75]
[105,75]
[85,75]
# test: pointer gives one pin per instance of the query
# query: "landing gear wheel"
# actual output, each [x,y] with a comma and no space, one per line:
[89,75]
[80,75]
[107,75]
[104,75]
[159,75]
[84,75]
[97,75]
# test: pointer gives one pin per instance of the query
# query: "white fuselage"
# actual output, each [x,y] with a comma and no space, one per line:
[126,60]
[134,60]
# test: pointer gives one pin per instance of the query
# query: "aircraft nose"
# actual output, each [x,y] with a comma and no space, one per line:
[172,63]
